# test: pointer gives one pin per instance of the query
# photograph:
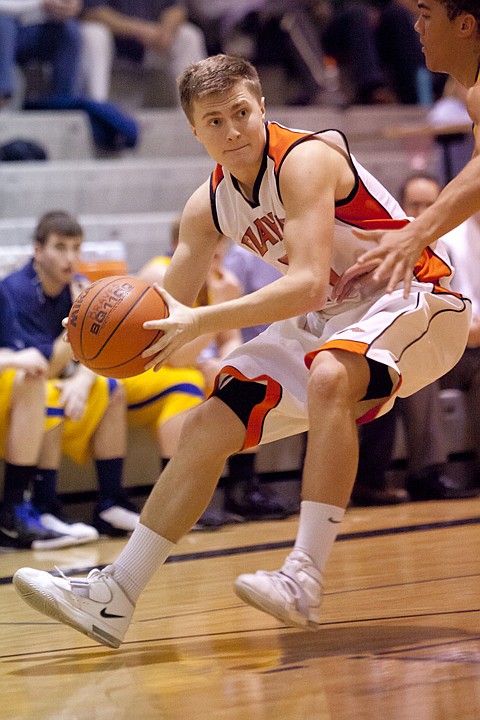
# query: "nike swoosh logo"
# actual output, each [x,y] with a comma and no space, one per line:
[332,520]
[105,614]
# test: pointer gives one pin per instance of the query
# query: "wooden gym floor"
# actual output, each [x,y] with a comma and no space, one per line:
[400,637]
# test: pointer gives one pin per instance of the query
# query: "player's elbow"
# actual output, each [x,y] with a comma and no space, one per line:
[315,294]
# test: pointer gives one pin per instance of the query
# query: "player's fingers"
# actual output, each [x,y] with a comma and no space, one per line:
[156,347]
[154,325]
[156,363]
[407,281]
[166,297]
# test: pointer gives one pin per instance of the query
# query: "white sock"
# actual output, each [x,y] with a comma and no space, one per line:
[141,557]
[317,530]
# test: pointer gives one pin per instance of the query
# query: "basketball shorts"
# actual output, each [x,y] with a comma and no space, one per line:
[418,339]
[77,434]
[7,378]
[155,397]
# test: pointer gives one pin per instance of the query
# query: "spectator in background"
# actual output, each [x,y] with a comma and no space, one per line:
[421,413]
[152,33]
[463,244]
[279,33]
[374,41]
[45,30]
[89,408]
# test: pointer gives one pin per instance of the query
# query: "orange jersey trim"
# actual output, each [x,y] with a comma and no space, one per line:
[360,348]
[430,268]
[216,177]
[281,142]
[257,417]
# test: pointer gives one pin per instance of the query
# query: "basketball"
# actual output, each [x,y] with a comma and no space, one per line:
[105,325]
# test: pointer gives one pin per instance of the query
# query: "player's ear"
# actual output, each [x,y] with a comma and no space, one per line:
[468,25]
[192,128]
[262,107]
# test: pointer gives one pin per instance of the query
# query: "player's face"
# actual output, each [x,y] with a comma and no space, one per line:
[420,193]
[231,128]
[56,260]
[437,33]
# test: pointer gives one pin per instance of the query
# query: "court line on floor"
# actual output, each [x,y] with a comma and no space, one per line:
[283,544]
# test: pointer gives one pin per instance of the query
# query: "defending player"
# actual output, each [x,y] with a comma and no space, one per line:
[292,197]
[450,35]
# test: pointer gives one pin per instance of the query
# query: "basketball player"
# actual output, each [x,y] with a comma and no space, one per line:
[293,198]
[450,34]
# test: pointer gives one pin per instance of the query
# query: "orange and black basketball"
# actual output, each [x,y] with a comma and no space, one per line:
[105,325]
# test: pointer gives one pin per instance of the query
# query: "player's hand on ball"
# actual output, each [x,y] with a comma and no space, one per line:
[179,328]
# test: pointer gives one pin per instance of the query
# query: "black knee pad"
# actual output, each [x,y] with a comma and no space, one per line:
[241,397]
[380,385]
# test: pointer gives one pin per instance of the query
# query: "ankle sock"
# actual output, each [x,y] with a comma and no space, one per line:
[141,557]
[317,530]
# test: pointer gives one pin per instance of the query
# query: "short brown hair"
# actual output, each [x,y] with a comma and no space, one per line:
[56,222]
[215,74]
[455,8]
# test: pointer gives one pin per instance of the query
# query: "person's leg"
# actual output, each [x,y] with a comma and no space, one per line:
[24,434]
[187,48]
[244,494]
[115,514]
[427,446]
[8,48]
[187,484]
[349,38]
[20,523]
[98,51]
[102,606]
[45,497]
[337,381]
[465,376]
[400,50]
[59,44]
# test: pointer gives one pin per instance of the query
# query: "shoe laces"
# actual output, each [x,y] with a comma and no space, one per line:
[93,576]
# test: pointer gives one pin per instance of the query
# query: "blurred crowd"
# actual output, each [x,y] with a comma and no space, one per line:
[328,51]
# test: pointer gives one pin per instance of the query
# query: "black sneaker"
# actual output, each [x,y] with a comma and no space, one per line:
[438,486]
[21,528]
[259,505]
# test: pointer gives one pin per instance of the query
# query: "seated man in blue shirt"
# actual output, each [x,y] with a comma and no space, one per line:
[90,408]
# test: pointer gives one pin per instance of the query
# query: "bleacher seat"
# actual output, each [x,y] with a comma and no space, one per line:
[63,135]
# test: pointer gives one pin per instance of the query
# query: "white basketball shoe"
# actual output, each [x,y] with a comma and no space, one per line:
[95,606]
[292,594]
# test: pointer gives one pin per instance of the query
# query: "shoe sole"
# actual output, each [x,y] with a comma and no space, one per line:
[249,596]
[47,604]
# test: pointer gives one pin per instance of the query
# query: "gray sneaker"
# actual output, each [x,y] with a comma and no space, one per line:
[95,606]
[292,594]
